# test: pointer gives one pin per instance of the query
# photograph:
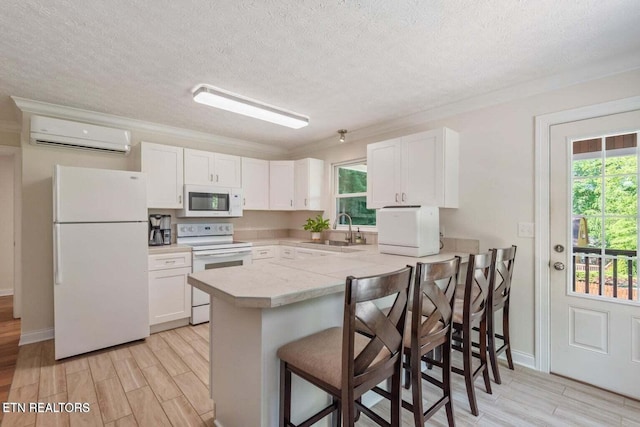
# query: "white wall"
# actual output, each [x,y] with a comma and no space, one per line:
[497,177]
[6,224]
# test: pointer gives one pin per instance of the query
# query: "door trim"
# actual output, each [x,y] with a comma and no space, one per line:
[16,153]
[543,123]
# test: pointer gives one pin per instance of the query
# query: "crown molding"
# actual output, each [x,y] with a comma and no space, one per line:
[9,126]
[602,69]
[93,117]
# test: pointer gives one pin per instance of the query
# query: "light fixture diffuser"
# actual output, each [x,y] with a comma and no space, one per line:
[219,98]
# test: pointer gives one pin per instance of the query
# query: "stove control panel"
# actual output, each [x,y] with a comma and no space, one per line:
[196,230]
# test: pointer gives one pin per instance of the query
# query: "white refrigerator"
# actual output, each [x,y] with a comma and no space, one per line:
[100,253]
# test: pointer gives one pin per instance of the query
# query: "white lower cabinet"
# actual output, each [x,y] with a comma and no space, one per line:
[268,253]
[169,292]
[302,253]
[287,252]
[264,253]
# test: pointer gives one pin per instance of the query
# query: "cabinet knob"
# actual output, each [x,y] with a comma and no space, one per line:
[179,198]
[292,202]
[397,197]
[217,179]
[403,197]
[305,202]
[211,177]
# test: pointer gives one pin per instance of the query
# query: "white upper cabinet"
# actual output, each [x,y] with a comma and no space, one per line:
[308,183]
[163,165]
[418,169]
[207,168]
[255,184]
[281,187]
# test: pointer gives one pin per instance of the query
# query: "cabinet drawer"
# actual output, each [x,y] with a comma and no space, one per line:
[287,252]
[263,252]
[174,260]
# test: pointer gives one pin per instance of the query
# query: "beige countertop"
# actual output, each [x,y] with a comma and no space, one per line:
[168,249]
[283,281]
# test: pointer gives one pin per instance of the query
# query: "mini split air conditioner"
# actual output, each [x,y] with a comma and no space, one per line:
[64,133]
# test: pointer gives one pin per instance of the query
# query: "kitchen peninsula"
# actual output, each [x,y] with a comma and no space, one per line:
[256,309]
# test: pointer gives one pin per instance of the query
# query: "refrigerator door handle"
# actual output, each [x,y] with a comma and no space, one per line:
[56,194]
[57,261]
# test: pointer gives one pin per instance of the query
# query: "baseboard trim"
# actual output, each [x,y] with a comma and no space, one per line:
[36,336]
[6,292]
[169,325]
[523,359]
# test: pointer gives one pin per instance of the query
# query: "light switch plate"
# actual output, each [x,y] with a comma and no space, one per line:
[526,229]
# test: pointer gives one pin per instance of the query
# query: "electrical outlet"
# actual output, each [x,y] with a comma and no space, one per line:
[525,229]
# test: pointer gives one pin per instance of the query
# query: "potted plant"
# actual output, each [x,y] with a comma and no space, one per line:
[316,226]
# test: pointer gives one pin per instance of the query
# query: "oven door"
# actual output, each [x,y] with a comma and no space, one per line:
[217,258]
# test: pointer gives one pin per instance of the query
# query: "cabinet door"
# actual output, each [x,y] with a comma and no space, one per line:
[384,178]
[198,167]
[281,189]
[169,295]
[287,252]
[226,170]
[422,174]
[305,253]
[255,184]
[430,172]
[309,174]
[163,165]
[263,253]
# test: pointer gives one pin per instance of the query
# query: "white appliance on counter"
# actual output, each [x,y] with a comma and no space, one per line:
[408,230]
[206,201]
[101,291]
[212,246]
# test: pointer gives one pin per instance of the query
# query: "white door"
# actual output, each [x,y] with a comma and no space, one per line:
[281,185]
[198,167]
[101,294]
[255,183]
[384,173]
[98,195]
[163,165]
[422,177]
[595,308]
[226,171]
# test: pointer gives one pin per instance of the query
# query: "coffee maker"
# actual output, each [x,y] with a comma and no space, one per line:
[165,229]
[155,231]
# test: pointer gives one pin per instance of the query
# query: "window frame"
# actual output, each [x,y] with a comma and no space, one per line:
[335,196]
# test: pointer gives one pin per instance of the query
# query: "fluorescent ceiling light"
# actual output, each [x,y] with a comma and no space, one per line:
[219,98]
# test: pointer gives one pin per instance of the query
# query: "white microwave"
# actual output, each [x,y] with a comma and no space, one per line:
[205,201]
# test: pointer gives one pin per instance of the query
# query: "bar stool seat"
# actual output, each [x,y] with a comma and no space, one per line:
[320,355]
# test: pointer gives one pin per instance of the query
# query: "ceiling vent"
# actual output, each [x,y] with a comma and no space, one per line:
[67,134]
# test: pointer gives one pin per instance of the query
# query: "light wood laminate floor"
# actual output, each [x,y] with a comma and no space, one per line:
[163,381]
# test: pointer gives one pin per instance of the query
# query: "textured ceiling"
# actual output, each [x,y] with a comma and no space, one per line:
[346,64]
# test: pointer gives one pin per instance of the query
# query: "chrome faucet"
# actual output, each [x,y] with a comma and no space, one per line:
[349,237]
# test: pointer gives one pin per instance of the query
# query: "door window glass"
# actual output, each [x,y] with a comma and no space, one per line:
[604,188]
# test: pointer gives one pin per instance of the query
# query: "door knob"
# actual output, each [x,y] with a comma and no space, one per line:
[558,266]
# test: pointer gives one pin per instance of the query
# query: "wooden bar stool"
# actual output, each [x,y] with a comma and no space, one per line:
[505,258]
[470,310]
[431,313]
[346,362]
